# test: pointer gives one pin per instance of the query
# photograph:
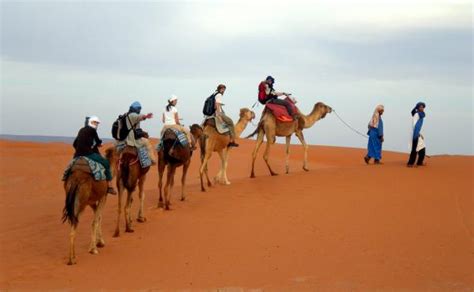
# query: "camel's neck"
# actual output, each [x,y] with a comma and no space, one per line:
[312,118]
[240,126]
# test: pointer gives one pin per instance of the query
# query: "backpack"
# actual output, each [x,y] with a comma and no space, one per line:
[119,128]
[210,105]
[262,95]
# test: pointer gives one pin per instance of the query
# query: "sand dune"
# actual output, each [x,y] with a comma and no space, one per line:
[341,226]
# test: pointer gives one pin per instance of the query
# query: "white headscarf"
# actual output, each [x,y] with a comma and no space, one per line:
[374,121]
[93,119]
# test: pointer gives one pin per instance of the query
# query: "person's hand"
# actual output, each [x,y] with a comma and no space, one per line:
[100,145]
[381,139]
[149,116]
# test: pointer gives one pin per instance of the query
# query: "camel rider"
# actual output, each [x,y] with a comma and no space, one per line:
[170,119]
[87,144]
[267,94]
[221,115]
[133,122]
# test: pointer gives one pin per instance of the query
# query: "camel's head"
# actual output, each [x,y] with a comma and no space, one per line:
[196,130]
[247,114]
[323,109]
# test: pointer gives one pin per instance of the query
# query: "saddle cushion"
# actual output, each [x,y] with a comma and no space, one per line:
[141,152]
[280,112]
[179,135]
[221,127]
[86,165]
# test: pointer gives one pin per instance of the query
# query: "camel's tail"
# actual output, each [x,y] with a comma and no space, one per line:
[69,211]
[253,133]
[127,180]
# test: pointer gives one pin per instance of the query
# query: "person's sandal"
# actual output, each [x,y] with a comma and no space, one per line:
[232,144]
[367,159]
[111,191]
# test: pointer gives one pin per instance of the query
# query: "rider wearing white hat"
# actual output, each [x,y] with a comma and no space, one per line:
[170,119]
[87,144]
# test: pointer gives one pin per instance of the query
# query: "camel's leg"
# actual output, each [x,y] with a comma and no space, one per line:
[266,155]
[100,237]
[95,223]
[303,142]
[120,189]
[128,216]
[287,160]
[203,170]
[161,170]
[226,161]
[141,196]
[206,172]
[169,179]
[183,179]
[255,151]
[100,206]
[72,252]
[219,178]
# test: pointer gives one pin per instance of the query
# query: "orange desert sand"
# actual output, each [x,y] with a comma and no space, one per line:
[341,226]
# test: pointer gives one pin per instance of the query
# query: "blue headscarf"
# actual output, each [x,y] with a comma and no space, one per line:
[415,109]
[136,107]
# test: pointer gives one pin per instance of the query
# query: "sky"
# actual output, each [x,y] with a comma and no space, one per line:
[62,61]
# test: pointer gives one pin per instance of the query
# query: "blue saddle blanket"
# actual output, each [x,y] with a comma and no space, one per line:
[182,139]
[97,169]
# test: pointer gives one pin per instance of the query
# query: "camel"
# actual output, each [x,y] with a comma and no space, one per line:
[82,191]
[270,128]
[173,155]
[211,141]
[129,175]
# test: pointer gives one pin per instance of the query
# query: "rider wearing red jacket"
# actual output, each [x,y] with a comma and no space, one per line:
[267,94]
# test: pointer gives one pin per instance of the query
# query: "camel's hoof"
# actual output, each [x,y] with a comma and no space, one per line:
[116,234]
[141,219]
[305,169]
[71,262]
[93,251]
[183,199]
[100,244]
[227,183]
[273,174]
[160,205]
[129,230]
[252,175]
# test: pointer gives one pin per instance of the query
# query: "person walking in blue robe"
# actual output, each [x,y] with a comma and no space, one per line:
[374,146]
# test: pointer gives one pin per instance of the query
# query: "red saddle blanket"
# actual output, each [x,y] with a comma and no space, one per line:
[280,112]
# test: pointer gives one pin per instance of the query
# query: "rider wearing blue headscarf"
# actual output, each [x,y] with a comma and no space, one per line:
[134,117]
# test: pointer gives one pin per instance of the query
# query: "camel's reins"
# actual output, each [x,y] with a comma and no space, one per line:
[349,126]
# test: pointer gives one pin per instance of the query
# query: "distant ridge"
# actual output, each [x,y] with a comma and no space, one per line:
[43,139]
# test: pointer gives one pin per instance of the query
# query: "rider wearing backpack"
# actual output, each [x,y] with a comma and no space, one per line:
[219,114]
[136,137]
[266,94]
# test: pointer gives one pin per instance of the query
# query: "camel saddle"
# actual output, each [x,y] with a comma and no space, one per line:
[280,112]
[86,165]
[141,153]
[221,127]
